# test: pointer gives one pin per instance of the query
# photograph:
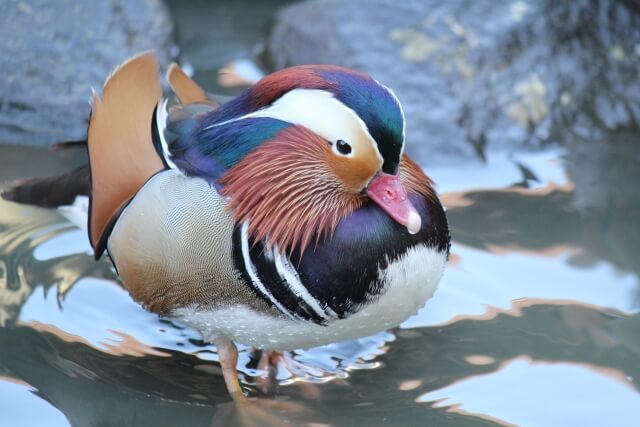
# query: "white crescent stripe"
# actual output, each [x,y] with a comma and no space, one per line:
[251,270]
[290,276]
[161,122]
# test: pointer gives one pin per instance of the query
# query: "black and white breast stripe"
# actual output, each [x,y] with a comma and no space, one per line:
[273,278]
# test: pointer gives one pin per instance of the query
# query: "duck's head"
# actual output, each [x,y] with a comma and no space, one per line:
[312,143]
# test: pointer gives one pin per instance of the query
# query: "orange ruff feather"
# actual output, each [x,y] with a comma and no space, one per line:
[121,152]
[186,90]
[414,179]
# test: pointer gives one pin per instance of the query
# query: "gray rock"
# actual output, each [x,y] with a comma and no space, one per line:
[52,52]
[474,75]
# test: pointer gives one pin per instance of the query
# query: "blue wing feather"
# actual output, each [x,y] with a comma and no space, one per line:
[199,147]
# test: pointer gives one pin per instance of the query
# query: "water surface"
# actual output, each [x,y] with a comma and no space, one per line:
[536,321]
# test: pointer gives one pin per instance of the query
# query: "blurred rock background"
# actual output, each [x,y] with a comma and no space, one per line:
[471,75]
[474,75]
[52,52]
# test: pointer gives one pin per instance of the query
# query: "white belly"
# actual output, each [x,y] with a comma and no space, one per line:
[409,283]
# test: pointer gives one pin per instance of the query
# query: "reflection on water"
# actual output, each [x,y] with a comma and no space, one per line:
[528,381]
[536,321]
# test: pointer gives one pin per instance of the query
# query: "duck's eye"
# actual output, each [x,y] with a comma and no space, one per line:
[343,147]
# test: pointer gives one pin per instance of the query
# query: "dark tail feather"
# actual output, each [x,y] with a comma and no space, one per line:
[52,191]
[63,145]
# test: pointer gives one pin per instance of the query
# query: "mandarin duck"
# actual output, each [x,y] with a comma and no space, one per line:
[286,218]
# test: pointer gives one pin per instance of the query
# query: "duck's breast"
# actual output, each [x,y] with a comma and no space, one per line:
[372,275]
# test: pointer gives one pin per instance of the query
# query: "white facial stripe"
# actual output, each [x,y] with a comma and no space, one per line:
[320,112]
